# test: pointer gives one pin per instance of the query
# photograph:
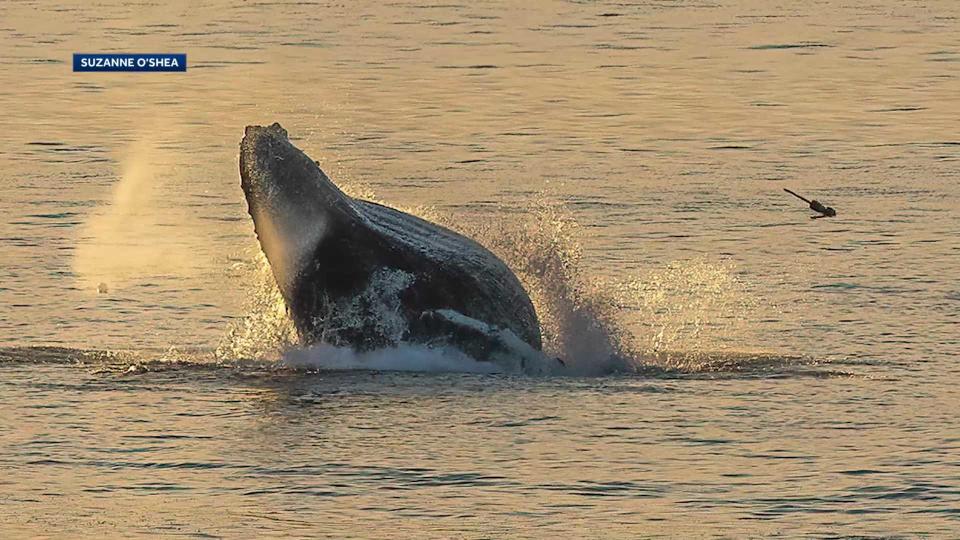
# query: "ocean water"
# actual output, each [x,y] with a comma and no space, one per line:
[788,377]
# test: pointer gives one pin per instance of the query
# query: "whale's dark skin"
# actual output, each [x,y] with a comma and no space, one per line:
[325,247]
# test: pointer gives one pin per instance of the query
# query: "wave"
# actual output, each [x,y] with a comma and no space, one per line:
[413,358]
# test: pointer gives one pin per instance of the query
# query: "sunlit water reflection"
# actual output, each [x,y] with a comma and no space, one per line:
[798,375]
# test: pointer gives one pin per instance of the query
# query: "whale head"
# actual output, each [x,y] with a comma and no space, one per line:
[289,199]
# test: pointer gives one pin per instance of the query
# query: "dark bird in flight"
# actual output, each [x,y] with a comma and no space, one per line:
[816,206]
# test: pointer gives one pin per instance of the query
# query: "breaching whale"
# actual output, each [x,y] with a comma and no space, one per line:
[359,274]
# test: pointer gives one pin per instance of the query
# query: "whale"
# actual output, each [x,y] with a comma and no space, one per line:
[359,274]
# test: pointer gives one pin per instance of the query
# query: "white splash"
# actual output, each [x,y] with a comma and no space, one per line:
[265,331]
[404,357]
[375,310]
[681,315]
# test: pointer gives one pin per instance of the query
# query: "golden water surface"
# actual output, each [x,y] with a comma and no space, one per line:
[797,377]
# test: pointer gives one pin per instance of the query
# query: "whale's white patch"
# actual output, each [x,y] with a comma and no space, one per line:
[288,236]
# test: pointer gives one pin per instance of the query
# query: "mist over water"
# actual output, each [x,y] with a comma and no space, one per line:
[736,368]
[146,229]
